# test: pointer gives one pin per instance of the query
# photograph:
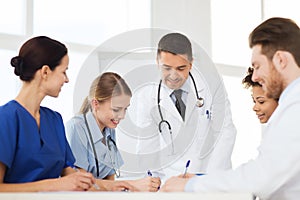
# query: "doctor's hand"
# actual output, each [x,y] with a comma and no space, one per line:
[111,185]
[174,184]
[147,184]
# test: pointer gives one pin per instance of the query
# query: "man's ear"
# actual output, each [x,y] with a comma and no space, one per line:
[280,59]
[191,63]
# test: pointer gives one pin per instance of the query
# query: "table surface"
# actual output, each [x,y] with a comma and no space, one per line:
[123,196]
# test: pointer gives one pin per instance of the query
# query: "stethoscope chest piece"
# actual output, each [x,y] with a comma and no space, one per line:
[200,102]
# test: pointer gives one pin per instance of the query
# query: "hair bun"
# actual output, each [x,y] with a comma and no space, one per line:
[17,63]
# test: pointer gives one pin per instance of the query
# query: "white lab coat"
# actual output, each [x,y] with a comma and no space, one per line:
[275,173]
[206,137]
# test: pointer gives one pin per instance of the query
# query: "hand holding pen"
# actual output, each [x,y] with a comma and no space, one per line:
[186,175]
[156,181]
[77,170]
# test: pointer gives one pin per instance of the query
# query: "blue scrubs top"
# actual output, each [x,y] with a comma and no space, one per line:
[29,153]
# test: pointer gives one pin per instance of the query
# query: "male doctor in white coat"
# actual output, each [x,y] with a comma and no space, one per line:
[195,127]
[275,173]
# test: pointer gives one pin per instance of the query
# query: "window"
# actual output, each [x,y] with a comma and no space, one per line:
[275,8]
[82,27]
[232,21]
[12,17]
[91,21]
[9,83]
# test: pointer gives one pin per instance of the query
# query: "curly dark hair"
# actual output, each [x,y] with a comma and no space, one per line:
[247,81]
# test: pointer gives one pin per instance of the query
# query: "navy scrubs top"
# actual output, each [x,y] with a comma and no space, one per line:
[31,153]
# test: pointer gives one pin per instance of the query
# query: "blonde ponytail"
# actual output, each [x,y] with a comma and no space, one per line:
[86,106]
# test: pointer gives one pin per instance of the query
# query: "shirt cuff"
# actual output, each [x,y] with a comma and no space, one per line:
[189,185]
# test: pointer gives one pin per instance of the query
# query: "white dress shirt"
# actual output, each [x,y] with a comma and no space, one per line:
[275,173]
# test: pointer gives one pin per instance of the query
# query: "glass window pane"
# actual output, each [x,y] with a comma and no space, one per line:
[232,22]
[12,17]
[10,83]
[274,8]
[89,21]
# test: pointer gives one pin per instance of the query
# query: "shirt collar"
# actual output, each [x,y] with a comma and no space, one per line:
[288,89]
[94,128]
[185,87]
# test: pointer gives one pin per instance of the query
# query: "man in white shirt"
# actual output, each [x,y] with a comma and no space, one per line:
[275,173]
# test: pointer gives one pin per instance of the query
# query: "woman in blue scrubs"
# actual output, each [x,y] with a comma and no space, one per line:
[33,147]
[92,136]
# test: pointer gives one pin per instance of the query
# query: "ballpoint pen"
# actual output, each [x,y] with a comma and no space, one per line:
[77,170]
[186,168]
[207,114]
[150,174]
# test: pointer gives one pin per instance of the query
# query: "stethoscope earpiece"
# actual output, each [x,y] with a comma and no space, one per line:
[200,102]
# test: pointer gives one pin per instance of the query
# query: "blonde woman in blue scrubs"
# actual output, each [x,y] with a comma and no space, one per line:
[91,134]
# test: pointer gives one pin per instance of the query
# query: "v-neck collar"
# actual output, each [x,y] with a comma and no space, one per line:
[28,113]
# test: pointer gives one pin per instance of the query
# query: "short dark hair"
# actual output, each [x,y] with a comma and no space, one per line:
[35,53]
[175,43]
[247,81]
[277,34]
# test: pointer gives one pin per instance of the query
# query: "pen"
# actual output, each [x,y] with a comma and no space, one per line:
[186,168]
[208,114]
[77,170]
[150,174]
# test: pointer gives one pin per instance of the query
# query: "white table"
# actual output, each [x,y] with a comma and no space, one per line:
[123,196]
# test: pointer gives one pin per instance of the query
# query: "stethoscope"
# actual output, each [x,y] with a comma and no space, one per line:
[109,142]
[199,103]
